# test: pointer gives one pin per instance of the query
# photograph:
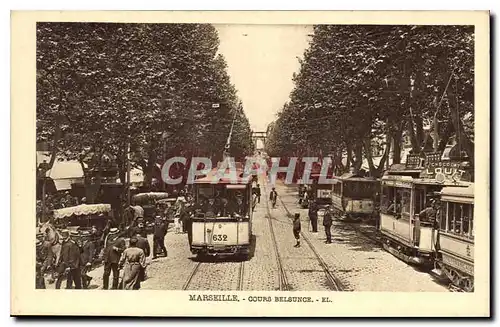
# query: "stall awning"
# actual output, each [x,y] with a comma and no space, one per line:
[65,184]
[82,210]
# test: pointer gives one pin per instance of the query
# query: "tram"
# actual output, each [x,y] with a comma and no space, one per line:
[455,259]
[320,194]
[354,197]
[222,222]
[406,191]
[222,219]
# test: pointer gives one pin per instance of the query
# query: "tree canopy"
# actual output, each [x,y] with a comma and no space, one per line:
[102,86]
[358,84]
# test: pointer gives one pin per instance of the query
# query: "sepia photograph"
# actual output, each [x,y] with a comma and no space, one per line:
[257,163]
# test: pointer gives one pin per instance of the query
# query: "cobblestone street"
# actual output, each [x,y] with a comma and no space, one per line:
[354,258]
[357,260]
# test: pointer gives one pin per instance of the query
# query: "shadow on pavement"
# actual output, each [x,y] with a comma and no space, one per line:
[227,257]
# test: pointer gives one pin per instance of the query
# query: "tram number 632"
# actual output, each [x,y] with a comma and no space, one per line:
[219,237]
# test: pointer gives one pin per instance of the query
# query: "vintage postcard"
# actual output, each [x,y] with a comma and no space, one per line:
[254,164]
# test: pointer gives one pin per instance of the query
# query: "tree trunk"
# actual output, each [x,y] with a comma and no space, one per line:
[121,161]
[444,137]
[376,171]
[349,157]
[149,171]
[396,140]
[416,143]
[368,154]
[465,143]
[358,153]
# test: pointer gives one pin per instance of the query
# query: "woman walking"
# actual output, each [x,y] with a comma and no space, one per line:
[133,262]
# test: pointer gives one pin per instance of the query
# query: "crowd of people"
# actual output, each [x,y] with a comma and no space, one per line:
[81,250]
[57,201]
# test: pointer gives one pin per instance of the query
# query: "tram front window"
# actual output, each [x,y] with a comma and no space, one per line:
[391,200]
[358,189]
[219,201]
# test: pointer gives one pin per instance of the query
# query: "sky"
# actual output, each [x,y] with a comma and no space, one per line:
[261,60]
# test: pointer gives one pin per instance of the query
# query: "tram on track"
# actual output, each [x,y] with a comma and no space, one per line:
[222,222]
[407,191]
[455,258]
[354,197]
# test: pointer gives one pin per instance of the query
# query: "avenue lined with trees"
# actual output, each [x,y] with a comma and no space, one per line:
[365,85]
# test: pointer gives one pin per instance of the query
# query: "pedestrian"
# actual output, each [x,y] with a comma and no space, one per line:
[257,192]
[184,218]
[113,248]
[69,263]
[159,237]
[39,277]
[273,196]
[143,244]
[140,229]
[177,224]
[313,216]
[296,229]
[180,204]
[327,222]
[133,261]
[88,254]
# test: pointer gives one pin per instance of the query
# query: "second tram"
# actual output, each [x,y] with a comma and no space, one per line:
[354,197]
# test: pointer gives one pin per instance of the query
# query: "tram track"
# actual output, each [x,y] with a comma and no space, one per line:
[332,281]
[283,280]
[196,269]
[451,287]
[191,276]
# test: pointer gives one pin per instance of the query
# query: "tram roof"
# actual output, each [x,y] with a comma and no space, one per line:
[212,178]
[355,177]
[464,190]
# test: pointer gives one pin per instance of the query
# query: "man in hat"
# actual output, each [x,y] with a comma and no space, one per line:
[141,229]
[313,216]
[273,196]
[88,253]
[327,222]
[113,248]
[257,192]
[69,262]
[237,206]
[160,230]
[142,243]
[429,214]
[210,208]
[296,229]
